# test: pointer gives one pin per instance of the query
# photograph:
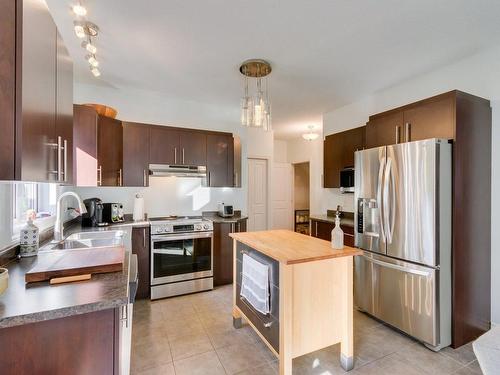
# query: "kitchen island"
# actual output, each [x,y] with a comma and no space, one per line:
[311,294]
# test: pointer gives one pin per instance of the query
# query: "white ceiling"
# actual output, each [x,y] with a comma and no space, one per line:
[324,53]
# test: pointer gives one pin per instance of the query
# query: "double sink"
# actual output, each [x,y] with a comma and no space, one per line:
[86,240]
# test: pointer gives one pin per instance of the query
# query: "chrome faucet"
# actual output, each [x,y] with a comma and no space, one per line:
[58,226]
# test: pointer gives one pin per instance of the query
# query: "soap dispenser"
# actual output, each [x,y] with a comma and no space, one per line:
[337,235]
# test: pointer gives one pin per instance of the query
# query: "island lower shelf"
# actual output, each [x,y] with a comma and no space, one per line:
[311,296]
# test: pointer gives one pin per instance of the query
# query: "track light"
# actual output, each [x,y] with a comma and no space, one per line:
[92,60]
[79,10]
[95,71]
[79,30]
[89,47]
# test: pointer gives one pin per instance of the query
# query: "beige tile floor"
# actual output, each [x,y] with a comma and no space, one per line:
[194,335]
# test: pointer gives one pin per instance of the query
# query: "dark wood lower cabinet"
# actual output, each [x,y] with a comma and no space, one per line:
[79,344]
[223,250]
[323,230]
[140,246]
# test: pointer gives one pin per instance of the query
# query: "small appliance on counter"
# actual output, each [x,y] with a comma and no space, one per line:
[225,210]
[113,212]
[94,215]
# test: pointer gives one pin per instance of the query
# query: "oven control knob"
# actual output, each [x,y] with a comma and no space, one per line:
[206,226]
[197,227]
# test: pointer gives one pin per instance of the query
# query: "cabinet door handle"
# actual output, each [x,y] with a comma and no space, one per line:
[65,160]
[239,226]
[175,155]
[59,158]
[209,179]
[144,178]
[120,177]
[99,176]
[407,132]
[183,162]
[144,238]
[232,227]
[398,130]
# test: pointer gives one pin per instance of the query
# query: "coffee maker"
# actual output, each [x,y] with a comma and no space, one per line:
[93,217]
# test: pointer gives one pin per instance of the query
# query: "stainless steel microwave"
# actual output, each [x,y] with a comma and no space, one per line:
[347,180]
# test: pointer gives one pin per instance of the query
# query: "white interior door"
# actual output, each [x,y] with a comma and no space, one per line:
[257,194]
[282,183]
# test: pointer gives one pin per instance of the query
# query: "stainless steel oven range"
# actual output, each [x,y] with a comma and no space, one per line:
[181,255]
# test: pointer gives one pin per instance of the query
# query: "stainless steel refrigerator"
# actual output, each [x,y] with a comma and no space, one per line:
[403,198]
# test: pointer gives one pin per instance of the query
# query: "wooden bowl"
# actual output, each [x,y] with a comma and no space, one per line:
[103,110]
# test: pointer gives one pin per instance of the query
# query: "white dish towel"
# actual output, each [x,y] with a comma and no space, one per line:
[255,284]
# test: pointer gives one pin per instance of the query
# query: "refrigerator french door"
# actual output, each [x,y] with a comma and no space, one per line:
[403,222]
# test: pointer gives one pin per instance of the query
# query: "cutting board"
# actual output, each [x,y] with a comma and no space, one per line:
[61,263]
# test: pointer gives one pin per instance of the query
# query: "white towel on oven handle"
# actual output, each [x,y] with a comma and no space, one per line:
[255,284]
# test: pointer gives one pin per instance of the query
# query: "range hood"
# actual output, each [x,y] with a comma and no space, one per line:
[165,170]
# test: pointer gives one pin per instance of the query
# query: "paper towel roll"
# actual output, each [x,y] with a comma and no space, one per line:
[138,208]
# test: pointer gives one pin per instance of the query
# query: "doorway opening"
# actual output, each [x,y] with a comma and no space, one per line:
[301,194]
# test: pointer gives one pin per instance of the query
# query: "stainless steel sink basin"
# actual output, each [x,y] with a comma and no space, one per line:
[85,240]
[97,235]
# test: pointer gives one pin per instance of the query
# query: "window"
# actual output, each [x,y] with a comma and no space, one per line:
[41,198]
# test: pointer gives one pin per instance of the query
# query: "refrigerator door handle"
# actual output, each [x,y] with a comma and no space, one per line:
[389,230]
[397,267]
[393,202]
[379,199]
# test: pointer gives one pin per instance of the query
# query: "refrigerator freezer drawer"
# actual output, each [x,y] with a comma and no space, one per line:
[399,293]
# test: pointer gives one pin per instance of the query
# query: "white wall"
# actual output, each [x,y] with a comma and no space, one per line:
[178,196]
[280,151]
[478,75]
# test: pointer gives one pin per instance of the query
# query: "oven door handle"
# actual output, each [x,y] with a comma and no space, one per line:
[184,236]
[162,251]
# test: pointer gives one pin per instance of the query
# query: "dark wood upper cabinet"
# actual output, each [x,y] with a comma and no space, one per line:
[37,126]
[85,120]
[135,154]
[7,88]
[36,96]
[64,107]
[430,119]
[338,153]
[220,163]
[193,147]
[109,152]
[164,145]
[384,130]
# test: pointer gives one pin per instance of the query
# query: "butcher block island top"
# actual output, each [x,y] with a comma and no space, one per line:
[310,290]
[290,247]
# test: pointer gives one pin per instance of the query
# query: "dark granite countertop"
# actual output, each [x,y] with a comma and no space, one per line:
[28,303]
[212,216]
[345,220]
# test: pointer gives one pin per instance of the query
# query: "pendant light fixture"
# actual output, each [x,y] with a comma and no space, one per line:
[311,135]
[255,106]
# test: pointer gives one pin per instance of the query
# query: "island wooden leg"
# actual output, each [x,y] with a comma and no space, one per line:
[237,323]
[286,319]
[347,344]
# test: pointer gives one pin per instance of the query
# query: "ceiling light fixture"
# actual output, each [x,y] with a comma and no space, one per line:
[89,47]
[87,30]
[92,60]
[96,72]
[79,10]
[256,108]
[310,135]
[79,30]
